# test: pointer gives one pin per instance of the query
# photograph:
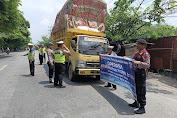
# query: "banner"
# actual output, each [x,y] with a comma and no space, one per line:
[118,70]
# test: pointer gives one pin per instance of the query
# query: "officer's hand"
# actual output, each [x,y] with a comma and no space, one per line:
[134,63]
[51,64]
[30,62]
[125,57]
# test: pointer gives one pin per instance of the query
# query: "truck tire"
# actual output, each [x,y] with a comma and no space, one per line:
[71,75]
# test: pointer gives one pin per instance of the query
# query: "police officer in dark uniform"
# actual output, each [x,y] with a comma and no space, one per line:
[59,56]
[141,63]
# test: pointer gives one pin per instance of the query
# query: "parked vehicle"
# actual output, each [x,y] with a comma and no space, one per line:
[81,25]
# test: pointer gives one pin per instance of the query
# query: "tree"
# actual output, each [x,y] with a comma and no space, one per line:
[156,31]
[45,40]
[126,19]
[14,31]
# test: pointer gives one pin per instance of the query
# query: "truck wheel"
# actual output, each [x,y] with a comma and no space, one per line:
[71,74]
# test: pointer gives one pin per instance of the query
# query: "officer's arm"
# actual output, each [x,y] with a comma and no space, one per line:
[25,54]
[67,51]
[146,62]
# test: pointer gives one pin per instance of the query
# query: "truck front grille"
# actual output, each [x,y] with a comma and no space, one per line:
[93,65]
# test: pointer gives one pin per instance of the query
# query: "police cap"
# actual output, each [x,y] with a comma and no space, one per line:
[110,47]
[50,43]
[141,41]
[60,42]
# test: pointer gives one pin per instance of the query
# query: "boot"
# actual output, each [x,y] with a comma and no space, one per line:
[135,104]
[141,110]
[108,85]
[114,87]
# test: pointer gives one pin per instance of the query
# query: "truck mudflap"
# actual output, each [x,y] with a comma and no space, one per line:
[87,72]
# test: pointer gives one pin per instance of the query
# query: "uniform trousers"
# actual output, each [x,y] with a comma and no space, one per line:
[51,69]
[59,73]
[41,59]
[31,67]
[140,81]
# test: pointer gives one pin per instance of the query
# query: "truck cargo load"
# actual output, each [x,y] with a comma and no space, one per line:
[87,15]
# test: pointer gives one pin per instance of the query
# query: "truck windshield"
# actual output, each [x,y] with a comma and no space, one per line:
[92,45]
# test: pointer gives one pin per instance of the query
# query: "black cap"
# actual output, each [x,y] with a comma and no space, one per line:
[141,41]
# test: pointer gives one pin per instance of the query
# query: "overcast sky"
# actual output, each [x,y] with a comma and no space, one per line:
[41,15]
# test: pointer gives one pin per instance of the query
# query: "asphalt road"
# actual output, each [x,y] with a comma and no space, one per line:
[33,97]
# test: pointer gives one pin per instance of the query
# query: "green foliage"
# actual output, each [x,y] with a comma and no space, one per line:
[156,31]
[125,20]
[14,31]
[45,40]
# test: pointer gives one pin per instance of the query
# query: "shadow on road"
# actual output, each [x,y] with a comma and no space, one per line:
[49,86]
[26,75]
[5,56]
[44,82]
[120,105]
[82,81]
[151,88]
[164,79]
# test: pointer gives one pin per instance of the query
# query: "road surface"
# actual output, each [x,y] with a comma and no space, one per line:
[34,97]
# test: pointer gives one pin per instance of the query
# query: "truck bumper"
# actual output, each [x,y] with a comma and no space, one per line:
[87,72]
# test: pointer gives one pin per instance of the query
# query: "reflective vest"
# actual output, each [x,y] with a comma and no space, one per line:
[140,55]
[59,56]
[44,50]
[29,54]
[39,50]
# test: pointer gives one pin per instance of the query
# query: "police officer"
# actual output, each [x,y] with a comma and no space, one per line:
[59,55]
[141,63]
[44,51]
[31,56]
[110,52]
[41,54]
[50,60]
[39,50]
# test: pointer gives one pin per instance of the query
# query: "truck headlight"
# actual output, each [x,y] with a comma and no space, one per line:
[80,63]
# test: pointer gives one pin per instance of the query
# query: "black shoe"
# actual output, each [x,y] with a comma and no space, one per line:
[135,104]
[61,86]
[114,88]
[56,85]
[107,86]
[50,80]
[141,110]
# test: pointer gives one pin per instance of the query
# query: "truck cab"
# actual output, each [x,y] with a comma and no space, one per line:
[85,47]
[84,58]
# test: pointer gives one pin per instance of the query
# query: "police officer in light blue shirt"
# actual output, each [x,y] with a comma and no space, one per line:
[110,52]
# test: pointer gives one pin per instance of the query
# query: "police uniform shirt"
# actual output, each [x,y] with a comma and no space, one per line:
[50,55]
[113,54]
[145,60]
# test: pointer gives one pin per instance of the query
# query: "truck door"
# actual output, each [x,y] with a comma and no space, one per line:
[73,48]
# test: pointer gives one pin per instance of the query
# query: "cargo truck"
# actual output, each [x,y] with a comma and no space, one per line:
[84,40]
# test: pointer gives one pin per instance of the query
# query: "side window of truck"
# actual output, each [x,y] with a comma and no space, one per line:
[74,43]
